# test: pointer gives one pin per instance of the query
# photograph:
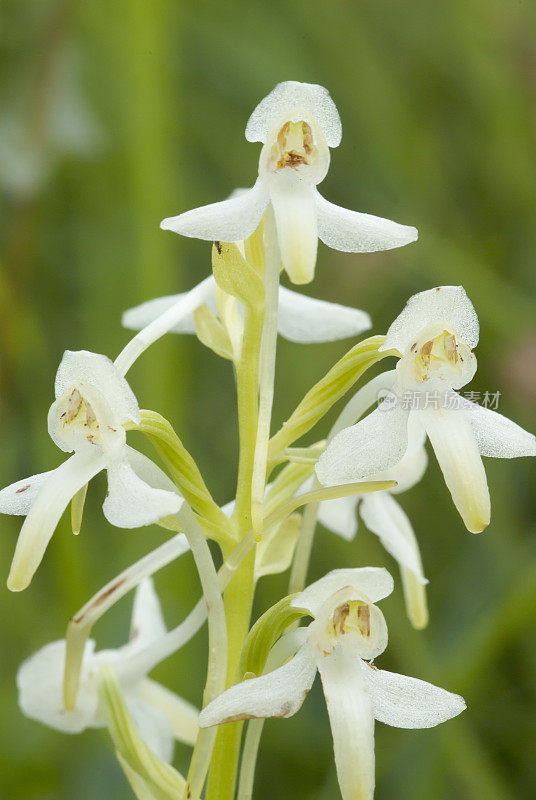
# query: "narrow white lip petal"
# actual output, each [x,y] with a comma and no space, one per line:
[496,435]
[383,516]
[39,683]
[278,694]
[290,95]
[50,503]
[405,702]
[131,502]
[457,452]
[339,516]
[374,583]
[297,232]
[18,497]
[306,319]
[147,623]
[448,303]
[140,316]
[182,715]
[354,232]
[231,220]
[100,374]
[375,444]
[352,722]
[153,726]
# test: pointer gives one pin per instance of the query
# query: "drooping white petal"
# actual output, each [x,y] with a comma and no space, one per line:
[231,220]
[18,497]
[457,452]
[405,702]
[375,444]
[287,97]
[50,503]
[352,722]
[147,622]
[297,233]
[100,374]
[306,319]
[374,583]
[39,683]
[278,694]
[383,516]
[496,435]
[154,727]
[183,716]
[354,232]
[340,516]
[140,316]
[131,502]
[448,303]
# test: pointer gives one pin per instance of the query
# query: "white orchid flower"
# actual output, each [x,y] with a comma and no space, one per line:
[435,334]
[348,631]
[93,402]
[297,123]
[160,715]
[301,319]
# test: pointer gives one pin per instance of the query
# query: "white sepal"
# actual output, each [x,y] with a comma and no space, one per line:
[131,502]
[306,319]
[18,497]
[372,583]
[497,436]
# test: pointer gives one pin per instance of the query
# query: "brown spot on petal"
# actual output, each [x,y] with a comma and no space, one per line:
[217,245]
[23,488]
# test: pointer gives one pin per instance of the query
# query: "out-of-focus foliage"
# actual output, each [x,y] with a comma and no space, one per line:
[114,115]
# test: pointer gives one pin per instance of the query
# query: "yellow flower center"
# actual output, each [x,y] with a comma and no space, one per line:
[294,146]
[78,412]
[435,354]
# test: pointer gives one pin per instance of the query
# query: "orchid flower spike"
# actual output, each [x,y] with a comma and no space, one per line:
[435,334]
[348,631]
[386,518]
[301,319]
[160,715]
[297,123]
[93,403]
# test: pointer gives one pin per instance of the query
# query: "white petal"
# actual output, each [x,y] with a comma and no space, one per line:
[295,216]
[40,686]
[140,316]
[354,232]
[278,694]
[99,373]
[183,716]
[305,319]
[230,220]
[373,583]
[131,502]
[497,436]
[352,723]
[50,503]
[148,471]
[375,444]
[383,516]
[154,727]
[19,497]
[291,95]
[411,468]
[448,303]
[405,702]
[458,455]
[147,623]
[339,516]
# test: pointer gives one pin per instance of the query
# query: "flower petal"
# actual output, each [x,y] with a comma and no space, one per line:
[278,694]
[448,303]
[339,516]
[50,503]
[375,444]
[183,716]
[153,726]
[147,623]
[131,502]
[354,232]
[291,95]
[19,497]
[457,452]
[148,471]
[405,702]
[383,516]
[497,436]
[374,583]
[231,220]
[352,722]
[297,233]
[306,319]
[140,316]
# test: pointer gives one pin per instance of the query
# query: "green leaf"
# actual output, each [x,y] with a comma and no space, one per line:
[275,550]
[235,276]
[211,332]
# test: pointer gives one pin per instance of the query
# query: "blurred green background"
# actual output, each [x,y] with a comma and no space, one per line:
[114,115]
